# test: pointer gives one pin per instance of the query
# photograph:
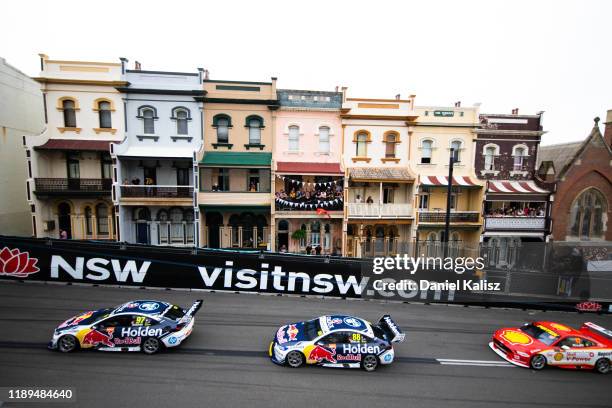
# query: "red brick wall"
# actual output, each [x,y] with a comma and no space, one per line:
[594,170]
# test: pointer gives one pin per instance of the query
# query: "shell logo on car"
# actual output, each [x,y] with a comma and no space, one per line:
[516,337]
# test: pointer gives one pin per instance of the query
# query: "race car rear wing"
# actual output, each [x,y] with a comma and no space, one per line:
[391,329]
[192,311]
[600,333]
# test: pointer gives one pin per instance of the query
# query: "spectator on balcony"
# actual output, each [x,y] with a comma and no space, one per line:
[292,194]
[283,248]
[253,187]
[126,182]
[308,249]
[318,249]
[215,187]
[136,181]
[358,199]
[149,182]
[63,234]
[370,200]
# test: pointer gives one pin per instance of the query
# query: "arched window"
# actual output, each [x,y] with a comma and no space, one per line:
[519,152]
[222,122]
[148,114]
[104,114]
[294,138]
[102,219]
[489,152]
[88,220]
[69,108]
[182,117]
[588,215]
[255,124]
[456,146]
[324,139]
[283,226]
[390,139]
[176,215]
[426,150]
[361,144]
[162,216]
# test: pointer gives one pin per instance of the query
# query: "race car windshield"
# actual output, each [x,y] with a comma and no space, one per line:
[546,337]
[312,329]
[174,313]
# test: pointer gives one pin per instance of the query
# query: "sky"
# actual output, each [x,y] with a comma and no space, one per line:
[537,55]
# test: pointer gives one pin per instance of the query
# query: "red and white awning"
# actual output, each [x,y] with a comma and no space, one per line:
[515,187]
[440,181]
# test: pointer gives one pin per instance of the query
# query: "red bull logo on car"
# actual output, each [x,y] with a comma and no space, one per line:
[319,354]
[94,338]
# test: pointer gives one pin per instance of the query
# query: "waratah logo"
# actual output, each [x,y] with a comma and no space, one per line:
[16,263]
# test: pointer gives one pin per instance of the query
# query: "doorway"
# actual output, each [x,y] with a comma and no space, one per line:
[63,219]
[214,220]
[283,235]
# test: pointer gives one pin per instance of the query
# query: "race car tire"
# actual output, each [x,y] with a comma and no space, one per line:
[150,345]
[602,366]
[369,362]
[295,359]
[67,343]
[537,362]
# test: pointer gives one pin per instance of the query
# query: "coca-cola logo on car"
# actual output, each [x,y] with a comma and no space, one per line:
[16,263]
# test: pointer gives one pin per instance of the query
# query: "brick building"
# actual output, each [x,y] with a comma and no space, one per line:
[583,176]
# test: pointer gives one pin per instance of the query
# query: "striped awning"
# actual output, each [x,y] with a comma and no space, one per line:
[514,187]
[440,181]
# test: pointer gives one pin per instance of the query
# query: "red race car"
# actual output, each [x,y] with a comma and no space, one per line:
[538,344]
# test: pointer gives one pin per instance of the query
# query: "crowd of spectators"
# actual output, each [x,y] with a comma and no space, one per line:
[518,211]
[310,195]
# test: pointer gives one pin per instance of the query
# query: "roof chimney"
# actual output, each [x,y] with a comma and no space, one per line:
[206,74]
[344,91]
[397,97]
[200,73]
[336,88]
[137,66]
[458,104]
[124,62]
[608,128]
[515,111]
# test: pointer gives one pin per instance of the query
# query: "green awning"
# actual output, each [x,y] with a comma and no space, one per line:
[237,159]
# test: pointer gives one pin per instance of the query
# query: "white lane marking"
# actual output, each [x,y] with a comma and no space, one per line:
[479,363]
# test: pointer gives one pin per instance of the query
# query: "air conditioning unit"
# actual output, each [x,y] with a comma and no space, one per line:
[49,225]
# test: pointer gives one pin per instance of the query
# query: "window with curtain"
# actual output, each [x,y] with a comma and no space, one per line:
[426,148]
[294,138]
[181,122]
[104,114]
[102,219]
[148,117]
[490,158]
[107,165]
[223,130]
[362,145]
[587,215]
[390,140]
[254,131]
[456,146]
[68,107]
[519,152]
[324,139]
[73,165]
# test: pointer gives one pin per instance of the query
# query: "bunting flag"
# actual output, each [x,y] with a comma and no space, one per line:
[308,183]
[308,206]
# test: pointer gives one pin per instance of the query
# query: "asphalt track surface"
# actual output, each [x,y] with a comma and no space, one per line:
[445,361]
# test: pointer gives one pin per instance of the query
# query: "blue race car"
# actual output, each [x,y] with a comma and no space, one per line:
[139,325]
[336,341]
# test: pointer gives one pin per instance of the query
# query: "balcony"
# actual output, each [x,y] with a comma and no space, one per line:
[234,198]
[439,217]
[515,223]
[72,186]
[365,210]
[156,191]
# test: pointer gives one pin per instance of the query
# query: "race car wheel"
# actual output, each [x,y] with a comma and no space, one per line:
[67,343]
[369,362]
[538,362]
[295,359]
[602,366]
[150,345]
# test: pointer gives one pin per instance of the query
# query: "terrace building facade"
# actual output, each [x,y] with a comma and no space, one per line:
[69,166]
[154,177]
[308,179]
[516,205]
[436,130]
[235,196]
[379,182]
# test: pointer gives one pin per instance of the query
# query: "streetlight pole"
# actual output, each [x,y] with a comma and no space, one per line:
[449,188]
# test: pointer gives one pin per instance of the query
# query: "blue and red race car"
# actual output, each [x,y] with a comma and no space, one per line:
[540,344]
[336,341]
[139,325]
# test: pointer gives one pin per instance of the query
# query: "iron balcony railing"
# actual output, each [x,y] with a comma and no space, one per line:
[156,191]
[455,216]
[76,185]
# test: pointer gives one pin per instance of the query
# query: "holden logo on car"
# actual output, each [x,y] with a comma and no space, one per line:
[13,262]
[148,307]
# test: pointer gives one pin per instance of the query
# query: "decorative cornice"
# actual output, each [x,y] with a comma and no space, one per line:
[188,92]
[115,84]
